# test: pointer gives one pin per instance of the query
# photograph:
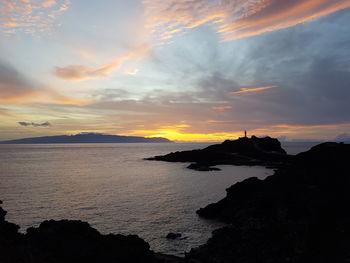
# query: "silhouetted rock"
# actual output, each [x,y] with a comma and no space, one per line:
[299,214]
[2,213]
[72,241]
[172,235]
[8,231]
[243,151]
[202,167]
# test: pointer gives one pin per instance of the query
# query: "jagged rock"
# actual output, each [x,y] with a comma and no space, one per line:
[8,231]
[244,151]
[297,215]
[72,241]
[2,213]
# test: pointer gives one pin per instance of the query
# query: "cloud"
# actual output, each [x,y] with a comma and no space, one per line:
[49,3]
[343,137]
[131,72]
[234,19]
[221,108]
[13,85]
[6,113]
[80,72]
[219,121]
[16,88]
[30,17]
[34,124]
[247,91]
[309,64]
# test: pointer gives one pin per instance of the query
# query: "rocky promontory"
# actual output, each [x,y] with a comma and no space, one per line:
[72,241]
[265,151]
[299,214]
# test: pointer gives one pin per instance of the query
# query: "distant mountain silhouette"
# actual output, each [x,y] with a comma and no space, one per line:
[87,138]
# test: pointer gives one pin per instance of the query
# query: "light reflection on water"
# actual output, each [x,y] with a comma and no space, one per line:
[114,189]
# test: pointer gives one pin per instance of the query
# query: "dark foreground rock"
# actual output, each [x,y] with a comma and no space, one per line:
[299,214]
[68,241]
[202,167]
[244,151]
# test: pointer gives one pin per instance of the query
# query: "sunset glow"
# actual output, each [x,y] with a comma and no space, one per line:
[194,70]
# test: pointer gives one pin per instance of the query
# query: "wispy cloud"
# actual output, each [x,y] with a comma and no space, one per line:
[29,16]
[287,126]
[131,72]
[6,113]
[13,85]
[247,91]
[343,136]
[221,108]
[219,121]
[48,3]
[234,19]
[81,72]
[34,124]
[15,88]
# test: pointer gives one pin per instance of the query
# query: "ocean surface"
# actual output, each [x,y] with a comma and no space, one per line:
[116,191]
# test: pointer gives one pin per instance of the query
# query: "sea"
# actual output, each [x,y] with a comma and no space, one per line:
[113,188]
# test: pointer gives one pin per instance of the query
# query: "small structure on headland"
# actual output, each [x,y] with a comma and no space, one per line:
[264,151]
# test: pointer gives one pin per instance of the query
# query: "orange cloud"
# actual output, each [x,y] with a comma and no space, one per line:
[16,94]
[48,3]
[219,121]
[246,91]
[221,108]
[15,88]
[80,72]
[234,19]
[16,97]
[6,113]
[178,127]
[12,24]
[30,16]
[40,96]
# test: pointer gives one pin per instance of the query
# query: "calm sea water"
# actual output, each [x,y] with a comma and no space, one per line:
[115,190]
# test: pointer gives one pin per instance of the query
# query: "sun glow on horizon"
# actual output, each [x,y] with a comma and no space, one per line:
[177,136]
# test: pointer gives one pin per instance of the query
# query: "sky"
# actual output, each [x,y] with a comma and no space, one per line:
[187,70]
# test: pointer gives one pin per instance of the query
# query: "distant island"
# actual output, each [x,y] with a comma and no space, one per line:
[87,138]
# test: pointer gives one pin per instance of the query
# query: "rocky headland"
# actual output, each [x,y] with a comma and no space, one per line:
[265,151]
[299,214]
